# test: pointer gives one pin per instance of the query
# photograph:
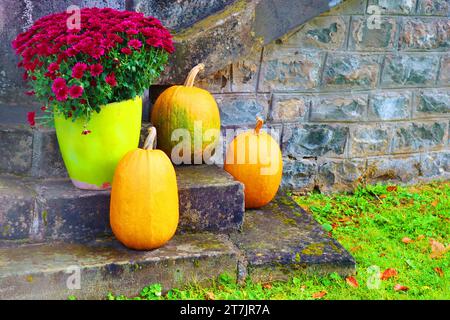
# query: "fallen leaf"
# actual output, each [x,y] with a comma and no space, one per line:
[389,273]
[407,240]
[421,237]
[383,196]
[399,287]
[391,188]
[438,249]
[439,271]
[357,248]
[435,203]
[382,254]
[210,296]
[319,295]
[352,282]
[267,286]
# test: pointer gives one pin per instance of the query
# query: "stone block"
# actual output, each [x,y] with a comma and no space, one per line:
[401,169]
[16,145]
[314,140]
[386,106]
[368,140]
[410,70]
[327,33]
[47,159]
[339,175]
[339,108]
[245,74]
[299,174]
[288,69]
[403,7]
[351,71]
[363,37]
[425,34]
[432,103]
[413,137]
[242,109]
[444,74]
[289,108]
[434,7]
[218,82]
[348,7]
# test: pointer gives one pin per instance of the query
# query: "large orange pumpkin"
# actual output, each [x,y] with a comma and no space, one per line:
[144,198]
[254,158]
[190,108]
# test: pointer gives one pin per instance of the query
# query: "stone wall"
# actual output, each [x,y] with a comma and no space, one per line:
[352,102]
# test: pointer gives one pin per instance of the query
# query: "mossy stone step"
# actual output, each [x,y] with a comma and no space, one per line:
[39,210]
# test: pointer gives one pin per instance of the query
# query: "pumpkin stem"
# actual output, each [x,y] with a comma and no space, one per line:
[150,142]
[259,124]
[192,74]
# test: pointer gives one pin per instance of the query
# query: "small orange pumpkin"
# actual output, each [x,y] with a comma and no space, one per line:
[184,107]
[254,158]
[144,198]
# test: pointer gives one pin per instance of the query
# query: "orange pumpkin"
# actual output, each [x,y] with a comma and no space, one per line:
[187,107]
[254,158]
[144,198]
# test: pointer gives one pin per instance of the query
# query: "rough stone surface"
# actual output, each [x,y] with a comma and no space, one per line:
[209,200]
[245,74]
[419,136]
[242,109]
[425,34]
[42,271]
[403,70]
[365,38]
[286,69]
[47,160]
[444,75]
[434,7]
[289,108]
[16,145]
[401,169]
[432,103]
[218,82]
[336,108]
[314,140]
[339,175]
[369,140]
[320,33]
[351,71]
[385,106]
[281,237]
[38,210]
[393,6]
[299,174]
[348,7]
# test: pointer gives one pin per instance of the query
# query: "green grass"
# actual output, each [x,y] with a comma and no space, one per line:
[371,224]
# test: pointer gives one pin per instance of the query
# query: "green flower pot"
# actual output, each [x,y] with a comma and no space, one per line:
[92,158]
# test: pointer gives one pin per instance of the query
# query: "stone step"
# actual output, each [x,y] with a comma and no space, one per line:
[52,209]
[43,271]
[275,241]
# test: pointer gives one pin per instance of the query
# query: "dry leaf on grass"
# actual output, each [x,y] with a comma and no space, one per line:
[438,249]
[391,188]
[210,296]
[319,295]
[439,271]
[407,240]
[267,286]
[389,273]
[399,287]
[352,282]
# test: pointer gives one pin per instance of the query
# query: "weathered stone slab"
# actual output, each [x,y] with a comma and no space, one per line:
[339,175]
[328,33]
[42,271]
[432,103]
[444,74]
[314,140]
[419,136]
[365,37]
[218,82]
[16,209]
[245,74]
[410,70]
[16,145]
[209,199]
[425,34]
[288,69]
[392,6]
[369,140]
[47,160]
[281,237]
[289,107]
[386,106]
[351,108]
[393,169]
[434,7]
[348,7]
[351,71]
[242,109]
[299,174]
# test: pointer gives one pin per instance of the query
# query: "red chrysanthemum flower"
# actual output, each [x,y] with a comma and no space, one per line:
[53,67]
[126,51]
[76,91]
[96,69]
[135,44]
[111,79]
[31,118]
[78,70]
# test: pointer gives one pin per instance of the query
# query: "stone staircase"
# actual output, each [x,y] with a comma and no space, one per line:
[50,230]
